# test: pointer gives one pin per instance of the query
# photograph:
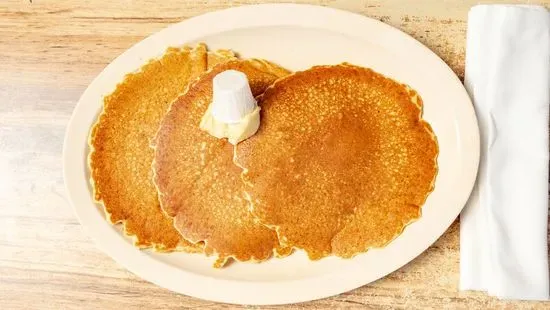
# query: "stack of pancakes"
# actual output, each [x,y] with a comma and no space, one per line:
[342,161]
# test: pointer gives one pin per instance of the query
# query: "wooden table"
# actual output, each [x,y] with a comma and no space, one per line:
[49,52]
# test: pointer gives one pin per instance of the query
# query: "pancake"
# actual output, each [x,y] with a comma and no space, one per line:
[350,161]
[198,183]
[120,158]
[214,58]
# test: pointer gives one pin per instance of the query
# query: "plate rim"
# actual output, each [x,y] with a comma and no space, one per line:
[234,291]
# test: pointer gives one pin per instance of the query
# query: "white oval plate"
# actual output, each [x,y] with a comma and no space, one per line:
[297,37]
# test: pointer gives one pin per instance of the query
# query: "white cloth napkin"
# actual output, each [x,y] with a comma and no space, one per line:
[503,229]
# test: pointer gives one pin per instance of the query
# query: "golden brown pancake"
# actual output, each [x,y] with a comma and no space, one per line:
[342,161]
[219,56]
[198,183]
[121,157]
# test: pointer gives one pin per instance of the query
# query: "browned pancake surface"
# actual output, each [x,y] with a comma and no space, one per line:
[342,161]
[121,157]
[198,182]
[219,56]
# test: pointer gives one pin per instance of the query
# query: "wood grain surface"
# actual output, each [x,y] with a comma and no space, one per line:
[50,50]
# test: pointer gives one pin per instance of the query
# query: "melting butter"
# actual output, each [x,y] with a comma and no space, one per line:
[234,132]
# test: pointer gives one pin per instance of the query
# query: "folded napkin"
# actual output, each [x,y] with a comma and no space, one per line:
[503,229]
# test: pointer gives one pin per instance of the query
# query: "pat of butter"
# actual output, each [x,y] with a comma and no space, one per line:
[234,132]
[233,112]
